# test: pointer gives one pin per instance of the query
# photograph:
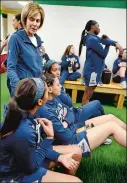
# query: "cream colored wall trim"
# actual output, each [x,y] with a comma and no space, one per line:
[7,10]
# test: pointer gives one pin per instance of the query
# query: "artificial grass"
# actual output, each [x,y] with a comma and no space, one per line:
[107,163]
[4,94]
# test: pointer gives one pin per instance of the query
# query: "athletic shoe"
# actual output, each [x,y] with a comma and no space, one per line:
[100,83]
[107,142]
[123,84]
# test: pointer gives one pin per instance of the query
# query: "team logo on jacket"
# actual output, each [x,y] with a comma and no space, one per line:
[60,112]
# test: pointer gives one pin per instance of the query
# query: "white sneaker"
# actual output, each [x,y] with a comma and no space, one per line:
[123,84]
[100,83]
[107,142]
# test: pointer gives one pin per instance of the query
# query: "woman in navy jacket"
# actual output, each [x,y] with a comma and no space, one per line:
[24,55]
[95,56]
[66,130]
[22,151]
[120,69]
[69,65]
[92,109]
[17,26]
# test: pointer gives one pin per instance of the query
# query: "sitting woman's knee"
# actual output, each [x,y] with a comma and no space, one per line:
[98,103]
[111,116]
[76,179]
[112,124]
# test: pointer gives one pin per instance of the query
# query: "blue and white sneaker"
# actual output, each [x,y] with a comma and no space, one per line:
[100,83]
[107,142]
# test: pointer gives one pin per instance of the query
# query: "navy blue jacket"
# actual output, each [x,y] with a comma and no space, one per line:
[95,53]
[65,98]
[5,62]
[45,59]
[66,59]
[22,153]
[54,111]
[24,59]
[116,63]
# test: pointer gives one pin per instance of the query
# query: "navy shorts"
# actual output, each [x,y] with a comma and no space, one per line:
[92,80]
[35,177]
[81,140]
[117,79]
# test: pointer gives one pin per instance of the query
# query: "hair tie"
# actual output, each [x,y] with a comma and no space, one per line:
[86,32]
[40,89]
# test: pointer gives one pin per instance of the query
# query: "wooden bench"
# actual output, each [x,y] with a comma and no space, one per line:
[113,88]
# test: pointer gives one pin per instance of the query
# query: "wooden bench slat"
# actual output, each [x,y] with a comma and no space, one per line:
[112,88]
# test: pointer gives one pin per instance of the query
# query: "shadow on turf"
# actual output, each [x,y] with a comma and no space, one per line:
[106,99]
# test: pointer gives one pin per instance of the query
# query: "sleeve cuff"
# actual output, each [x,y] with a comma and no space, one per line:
[46,143]
[52,155]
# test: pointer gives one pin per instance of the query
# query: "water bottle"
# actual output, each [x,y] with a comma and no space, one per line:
[70,68]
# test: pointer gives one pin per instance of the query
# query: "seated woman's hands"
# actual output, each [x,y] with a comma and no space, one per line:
[64,112]
[67,161]
[47,126]
[65,124]
[122,64]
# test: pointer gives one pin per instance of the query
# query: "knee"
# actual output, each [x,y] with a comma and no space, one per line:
[112,125]
[111,117]
[96,105]
[76,179]
[79,75]
[76,75]
[97,102]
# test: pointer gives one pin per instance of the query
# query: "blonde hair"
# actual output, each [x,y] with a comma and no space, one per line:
[30,10]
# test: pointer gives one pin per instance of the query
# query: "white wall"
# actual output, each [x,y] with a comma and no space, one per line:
[1,25]
[10,28]
[6,28]
[3,31]
[63,26]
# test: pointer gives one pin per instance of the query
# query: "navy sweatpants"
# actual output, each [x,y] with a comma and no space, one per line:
[66,76]
[90,110]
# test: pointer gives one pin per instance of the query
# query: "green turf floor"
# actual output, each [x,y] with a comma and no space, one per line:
[107,163]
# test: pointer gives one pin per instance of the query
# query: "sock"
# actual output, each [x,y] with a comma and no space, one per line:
[123,79]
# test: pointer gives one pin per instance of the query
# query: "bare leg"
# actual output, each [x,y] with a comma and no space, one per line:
[59,177]
[122,71]
[88,94]
[98,134]
[65,149]
[106,118]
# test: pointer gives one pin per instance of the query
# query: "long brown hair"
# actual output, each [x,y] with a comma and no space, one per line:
[22,101]
[67,50]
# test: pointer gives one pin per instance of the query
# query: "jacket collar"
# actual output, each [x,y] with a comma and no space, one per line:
[26,39]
